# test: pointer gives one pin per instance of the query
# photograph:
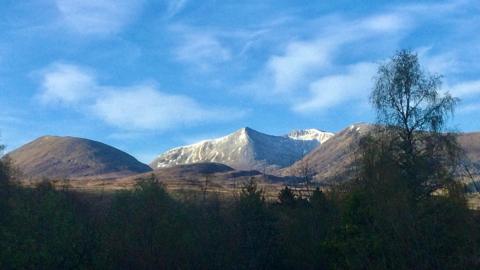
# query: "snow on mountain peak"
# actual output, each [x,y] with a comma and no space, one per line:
[246,148]
[359,127]
[310,134]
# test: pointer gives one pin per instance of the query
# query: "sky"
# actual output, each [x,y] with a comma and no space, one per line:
[146,76]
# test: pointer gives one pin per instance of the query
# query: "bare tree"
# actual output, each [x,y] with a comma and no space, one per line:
[407,99]
[205,186]
[305,173]
[413,112]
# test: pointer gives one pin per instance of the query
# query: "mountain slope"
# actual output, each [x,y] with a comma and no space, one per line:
[70,157]
[197,169]
[470,143]
[245,149]
[332,161]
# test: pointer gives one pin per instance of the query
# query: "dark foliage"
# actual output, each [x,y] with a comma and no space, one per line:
[371,225]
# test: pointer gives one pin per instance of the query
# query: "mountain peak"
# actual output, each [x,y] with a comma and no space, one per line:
[246,133]
[48,137]
[245,148]
[246,130]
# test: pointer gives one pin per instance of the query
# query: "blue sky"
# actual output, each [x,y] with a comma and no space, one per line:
[145,76]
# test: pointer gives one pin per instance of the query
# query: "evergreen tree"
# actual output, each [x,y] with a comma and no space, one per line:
[286,197]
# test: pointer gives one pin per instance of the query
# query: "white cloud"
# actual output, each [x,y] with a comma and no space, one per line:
[447,63]
[137,107]
[450,64]
[98,17]
[465,89]
[313,63]
[309,72]
[382,23]
[329,91]
[144,107]
[66,84]
[303,58]
[299,58]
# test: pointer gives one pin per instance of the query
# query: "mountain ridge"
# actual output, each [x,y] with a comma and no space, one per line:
[245,148]
[333,161]
[328,160]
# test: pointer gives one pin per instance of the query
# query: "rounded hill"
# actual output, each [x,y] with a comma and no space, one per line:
[71,157]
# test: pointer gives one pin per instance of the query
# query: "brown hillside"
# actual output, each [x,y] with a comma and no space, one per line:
[332,161]
[70,157]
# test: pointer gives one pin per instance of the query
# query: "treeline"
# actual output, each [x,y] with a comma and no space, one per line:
[350,227]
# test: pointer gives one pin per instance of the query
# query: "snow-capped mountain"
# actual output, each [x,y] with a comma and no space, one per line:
[246,149]
[310,134]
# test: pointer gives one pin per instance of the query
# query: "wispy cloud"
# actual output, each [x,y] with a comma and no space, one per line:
[329,91]
[299,59]
[302,59]
[313,64]
[448,63]
[145,108]
[98,17]
[439,63]
[466,88]
[200,48]
[433,9]
[175,6]
[136,107]
[207,48]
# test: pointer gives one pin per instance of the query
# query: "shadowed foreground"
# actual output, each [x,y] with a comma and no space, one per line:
[145,228]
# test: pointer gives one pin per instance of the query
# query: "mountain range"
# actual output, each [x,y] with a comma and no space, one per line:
[325,156]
